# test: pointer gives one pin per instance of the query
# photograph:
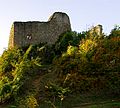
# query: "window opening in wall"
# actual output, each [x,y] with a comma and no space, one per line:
[29,37]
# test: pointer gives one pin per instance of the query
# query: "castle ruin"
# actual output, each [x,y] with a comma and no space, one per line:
[96,30]
[26,33]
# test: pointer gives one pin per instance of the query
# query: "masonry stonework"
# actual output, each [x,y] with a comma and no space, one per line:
[26,33]
[96,30]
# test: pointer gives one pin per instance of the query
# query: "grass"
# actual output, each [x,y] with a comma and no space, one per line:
[115,104]
[81,101]
[103,105]
[86,101]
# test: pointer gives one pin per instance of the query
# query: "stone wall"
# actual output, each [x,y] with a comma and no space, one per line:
[26,33]
[96,30]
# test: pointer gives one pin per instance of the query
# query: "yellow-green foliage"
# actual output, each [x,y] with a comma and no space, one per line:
[72,50]
[31,102]
[86,48]
[95,60]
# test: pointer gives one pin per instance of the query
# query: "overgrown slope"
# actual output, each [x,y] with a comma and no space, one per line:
[47,76]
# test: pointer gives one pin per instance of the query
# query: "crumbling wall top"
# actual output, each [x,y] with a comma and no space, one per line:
[35,32]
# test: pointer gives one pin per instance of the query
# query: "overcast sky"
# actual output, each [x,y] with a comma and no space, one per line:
[82,13]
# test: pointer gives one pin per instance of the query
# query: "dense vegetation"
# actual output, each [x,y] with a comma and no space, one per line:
[42,76]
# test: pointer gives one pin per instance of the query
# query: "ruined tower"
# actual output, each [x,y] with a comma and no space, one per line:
[96,30]
[35,32]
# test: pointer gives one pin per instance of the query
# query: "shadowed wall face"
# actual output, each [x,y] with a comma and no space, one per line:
[26,33]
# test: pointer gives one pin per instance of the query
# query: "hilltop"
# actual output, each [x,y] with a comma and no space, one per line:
[79,68]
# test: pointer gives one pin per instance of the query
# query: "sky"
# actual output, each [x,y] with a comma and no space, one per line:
[83,14]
